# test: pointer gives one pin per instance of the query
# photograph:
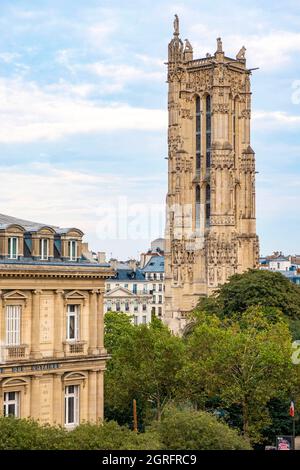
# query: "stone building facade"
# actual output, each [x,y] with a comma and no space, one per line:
[154,273]
[211,225]
[51,325]
[128,291]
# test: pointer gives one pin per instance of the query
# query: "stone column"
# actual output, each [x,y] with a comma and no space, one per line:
[100,395]
[35,397]
[92,396]
[59,326]
[100,323]
[58,393]
[35,325]
[93,322]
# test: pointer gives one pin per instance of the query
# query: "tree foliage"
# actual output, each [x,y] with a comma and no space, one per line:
[244,363]
[22,434]
[145,361]
[194,430]
[254,287]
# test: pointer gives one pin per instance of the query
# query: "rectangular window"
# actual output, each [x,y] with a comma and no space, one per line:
[73,250]
[160,299]
[13,247]
[136,308]
[13,325]
[44,244]
[72,405]
[118,307]
[134,288]
[144,319]
[154,287]
[135,320]
[126,307]
[159,311]
[126,286]
[73,322]
[145,289]
[144,307]
[11,404]
[160,288]
[108,307]
[107,287]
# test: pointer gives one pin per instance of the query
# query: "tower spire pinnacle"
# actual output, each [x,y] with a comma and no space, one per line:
[176,25]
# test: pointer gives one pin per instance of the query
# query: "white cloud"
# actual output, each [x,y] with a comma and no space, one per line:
[272,120]
[124,73]
[9,57]
[271,50]
[29,113]
[94,202]
[267,48]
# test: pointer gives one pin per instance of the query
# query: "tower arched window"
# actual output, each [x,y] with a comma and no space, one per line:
[198,135]
[234,121]
[198,200]
[208,131]
[207,205]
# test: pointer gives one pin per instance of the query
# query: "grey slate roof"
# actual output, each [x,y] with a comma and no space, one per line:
[156,264]
[129,275]
[6,220]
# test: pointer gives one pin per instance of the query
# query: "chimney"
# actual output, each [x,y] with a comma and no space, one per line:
[101,257]
[132,264]
[113,263]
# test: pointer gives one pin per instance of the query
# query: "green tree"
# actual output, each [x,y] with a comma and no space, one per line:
[194,430]
[144,364]
[254,287]
[245,363]
[25,434]
[110,436]
[22,434]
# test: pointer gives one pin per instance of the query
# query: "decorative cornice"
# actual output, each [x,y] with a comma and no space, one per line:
[54,275]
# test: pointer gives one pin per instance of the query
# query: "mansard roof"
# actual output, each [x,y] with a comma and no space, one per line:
[7,221]
[129,275]
[156,264]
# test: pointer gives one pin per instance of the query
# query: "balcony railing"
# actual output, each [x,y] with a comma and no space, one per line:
[73,348]
[14,352]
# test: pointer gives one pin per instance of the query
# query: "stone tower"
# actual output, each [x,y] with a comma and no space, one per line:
[211,226]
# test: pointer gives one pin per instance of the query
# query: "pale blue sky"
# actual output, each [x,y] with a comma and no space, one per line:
[83,109]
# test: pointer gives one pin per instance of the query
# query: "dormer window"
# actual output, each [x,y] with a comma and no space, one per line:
[13,247]
[73,250]
[44,249]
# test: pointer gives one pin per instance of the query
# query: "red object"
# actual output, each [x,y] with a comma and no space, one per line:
[292,409]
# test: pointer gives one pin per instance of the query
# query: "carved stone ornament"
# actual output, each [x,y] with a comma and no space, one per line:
[201,81]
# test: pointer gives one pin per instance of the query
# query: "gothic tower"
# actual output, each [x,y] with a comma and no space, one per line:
[211,226]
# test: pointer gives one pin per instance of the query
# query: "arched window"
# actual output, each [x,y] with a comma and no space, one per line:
[234,120]
[207,205]
[208,131]
[198,135]
[197,207]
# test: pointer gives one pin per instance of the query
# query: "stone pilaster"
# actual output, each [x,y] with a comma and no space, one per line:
[58,399]
[35,397]
[59,326]
[93,306]
[35,325]
[92,386]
